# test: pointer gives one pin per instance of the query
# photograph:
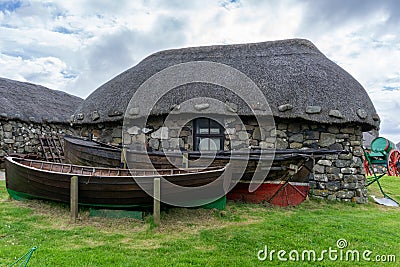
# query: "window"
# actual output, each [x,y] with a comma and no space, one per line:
[208,135]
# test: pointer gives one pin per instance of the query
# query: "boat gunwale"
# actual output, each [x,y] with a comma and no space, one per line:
[11,160]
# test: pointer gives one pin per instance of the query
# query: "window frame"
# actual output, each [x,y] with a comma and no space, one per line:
[196,135]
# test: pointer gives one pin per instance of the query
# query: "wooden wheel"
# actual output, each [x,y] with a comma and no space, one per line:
[394,163]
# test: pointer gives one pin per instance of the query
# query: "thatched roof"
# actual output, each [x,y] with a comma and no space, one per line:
[289,72]
[35,103]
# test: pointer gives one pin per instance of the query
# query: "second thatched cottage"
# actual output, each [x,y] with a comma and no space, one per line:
[29,111]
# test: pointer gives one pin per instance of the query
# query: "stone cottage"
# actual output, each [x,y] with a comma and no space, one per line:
[315,105]
[28,111]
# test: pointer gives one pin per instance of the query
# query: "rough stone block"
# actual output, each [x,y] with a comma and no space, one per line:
[294,127]
[327,139]
[278,133]
[133,130]
[331,198]
[175,143]
[321,177]
[336,113]
[325,162]
[243,135]
[238,144]
[266,145]
[8,135]
[347,130]
[9,141]
[348,170]
[299,138]
[319,169]
[342,163]
[311,135]
[350,178]
[295,145]
[285,107]
[333,186]
[361,200]
[357,151]
[346,156]
[282,126]
[281,144]
[313,109]
[162,133]
[331,157]
[333,177]
[311,143]
[7,127]
[230,131]
[322,193]
[357,162]
[333,129]
[336,146]
[350,186]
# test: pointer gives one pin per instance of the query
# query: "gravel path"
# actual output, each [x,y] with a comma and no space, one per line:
[2,175]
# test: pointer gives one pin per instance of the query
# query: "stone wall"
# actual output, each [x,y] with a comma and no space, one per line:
[23,137]
[335,177]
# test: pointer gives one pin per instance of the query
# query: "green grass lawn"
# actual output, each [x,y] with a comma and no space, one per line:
[197,237]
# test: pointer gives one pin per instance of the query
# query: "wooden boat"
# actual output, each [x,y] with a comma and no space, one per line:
[98,187]
[80,151]
[277,189]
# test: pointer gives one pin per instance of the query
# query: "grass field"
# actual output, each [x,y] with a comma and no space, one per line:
[197,237]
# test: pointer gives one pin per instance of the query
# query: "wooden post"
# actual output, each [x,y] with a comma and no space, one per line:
[157,193]
[185,160]
[74,198]
[123,158]
[227,178]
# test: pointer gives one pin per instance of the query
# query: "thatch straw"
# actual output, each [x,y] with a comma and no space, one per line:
[290,72]
[35,103]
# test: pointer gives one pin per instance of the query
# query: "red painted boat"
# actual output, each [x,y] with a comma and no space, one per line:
[279,193]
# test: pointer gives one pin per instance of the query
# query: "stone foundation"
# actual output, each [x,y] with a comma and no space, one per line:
[335,177]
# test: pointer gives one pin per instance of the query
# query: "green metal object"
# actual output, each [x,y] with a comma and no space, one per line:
[382,145]
[23,196]
[23,261]
[376,177]
[218,204]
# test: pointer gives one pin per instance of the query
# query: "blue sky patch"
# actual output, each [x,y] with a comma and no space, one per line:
[391,88]
[69,75]
[63,30]
[10,6]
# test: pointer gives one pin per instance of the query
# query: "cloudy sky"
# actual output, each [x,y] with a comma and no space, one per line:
[77,45]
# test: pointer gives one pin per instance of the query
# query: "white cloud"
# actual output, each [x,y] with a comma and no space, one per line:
[77,45]
[47,71]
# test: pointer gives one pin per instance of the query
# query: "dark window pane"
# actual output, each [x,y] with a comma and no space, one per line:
[202,126]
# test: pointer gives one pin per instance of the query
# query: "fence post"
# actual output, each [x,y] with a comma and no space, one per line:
[185,160]
[74,198]
[156,208]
